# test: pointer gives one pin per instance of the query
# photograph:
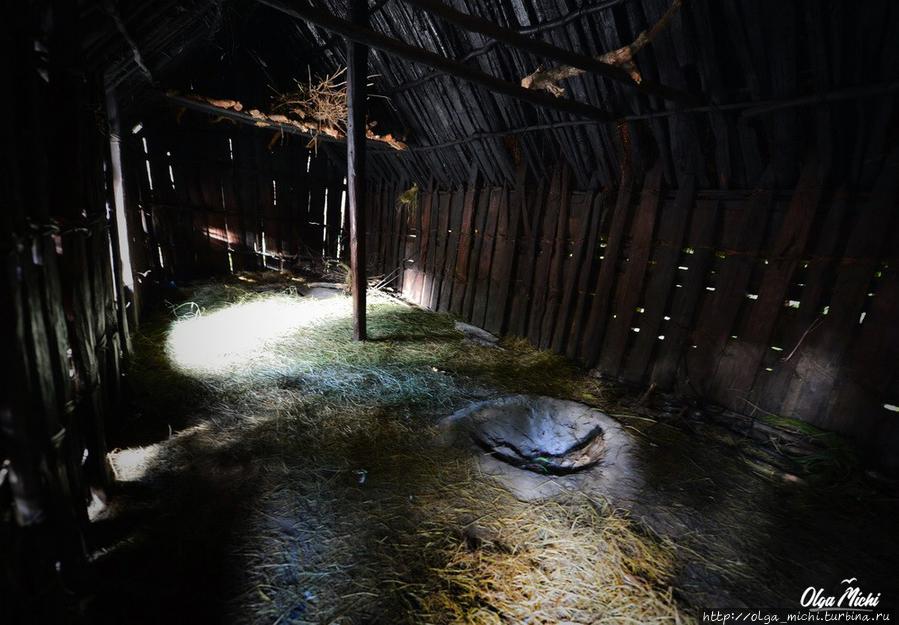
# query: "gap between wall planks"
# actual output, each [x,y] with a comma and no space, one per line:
[744,231]
[630,284]
[739,362]
[672,228]
[573,274]
[704,280]
[821,356]
[247,204]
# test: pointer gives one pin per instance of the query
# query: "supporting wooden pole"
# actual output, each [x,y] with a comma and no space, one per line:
[123,275]
[357,65]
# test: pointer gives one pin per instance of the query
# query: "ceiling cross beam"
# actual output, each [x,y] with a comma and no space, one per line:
[546,50]
[368,37]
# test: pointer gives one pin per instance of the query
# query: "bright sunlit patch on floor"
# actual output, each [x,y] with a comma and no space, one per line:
[130,465]
[241,337]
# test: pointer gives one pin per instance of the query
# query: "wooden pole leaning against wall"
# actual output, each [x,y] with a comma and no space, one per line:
[357,64]
[123,274]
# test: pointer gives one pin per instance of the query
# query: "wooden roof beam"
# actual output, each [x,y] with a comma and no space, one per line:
[415,54]
[549,51]
[527,30]
[249,120]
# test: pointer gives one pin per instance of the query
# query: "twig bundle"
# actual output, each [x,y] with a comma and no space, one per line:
[322,102]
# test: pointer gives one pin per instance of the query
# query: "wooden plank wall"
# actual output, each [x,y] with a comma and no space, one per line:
[215,200]
[61,342]
[759,300]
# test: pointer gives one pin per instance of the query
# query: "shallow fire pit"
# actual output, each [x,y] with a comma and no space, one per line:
[322,290]
[541,446]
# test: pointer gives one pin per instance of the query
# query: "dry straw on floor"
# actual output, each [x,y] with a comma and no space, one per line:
[360,516]
[320,454]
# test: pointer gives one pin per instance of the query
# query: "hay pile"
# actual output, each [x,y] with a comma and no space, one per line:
[446,546]
[360,516]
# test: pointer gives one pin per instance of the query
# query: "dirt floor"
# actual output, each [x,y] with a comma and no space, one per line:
[273,471]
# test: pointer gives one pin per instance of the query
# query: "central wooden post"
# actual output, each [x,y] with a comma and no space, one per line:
[357,74]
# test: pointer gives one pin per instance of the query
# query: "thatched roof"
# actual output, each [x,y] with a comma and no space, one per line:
[736,57]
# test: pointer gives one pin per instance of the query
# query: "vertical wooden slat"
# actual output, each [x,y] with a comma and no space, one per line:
[48,432]
[333,230]
[84,354]
[573,266]
[671,351]
[427,299]
[245,158]
[769,389]
[744,229]
[477,245]
[460,273]
[741,358]
[410,251]
[586,262]
[422,282]
[442,219]
[672,227]
[528,207]
[457,201]
[503,259]
[121,253]
[631,284]
[402,214]
[18,427]
[372,220]
[546,239]
[485,260]
[595,328]
[821,355]
[559,256]
[265,200]
[391,232]
[385,227]
[868,379]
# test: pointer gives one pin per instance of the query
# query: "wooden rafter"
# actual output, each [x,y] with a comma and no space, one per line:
[528,30]
[745,109]
[575,60]
[401,49]
[546,79]
[264,121]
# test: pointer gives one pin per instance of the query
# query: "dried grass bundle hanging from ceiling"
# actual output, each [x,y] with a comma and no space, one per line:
[323,103]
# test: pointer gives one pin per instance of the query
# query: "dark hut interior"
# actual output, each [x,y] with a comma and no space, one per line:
[449,311]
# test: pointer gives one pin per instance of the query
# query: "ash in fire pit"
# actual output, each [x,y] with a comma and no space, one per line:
[540,446]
